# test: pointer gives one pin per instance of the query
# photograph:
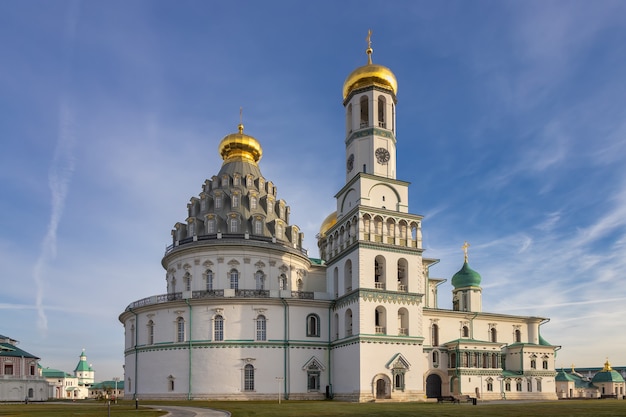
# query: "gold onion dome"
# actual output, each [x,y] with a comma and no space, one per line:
[239,146]
[328,222]
[370,75]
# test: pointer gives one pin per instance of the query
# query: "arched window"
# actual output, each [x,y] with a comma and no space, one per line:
[466,360]
[249,181]
[209,280]
[382,104]
[218,328]
[494,334]
[282,282]
[235,200]
[234,279]
[248,378]
[187,281]
[132,335]
[435,335]
[233,225]
[279,231]
[507,385]
[253,202]
[348,322]
[365,118]
[349,118]
[380,320]
[533,364]
[402,275]
[313,325]
[261,328]
[452,360]
[259,277]
[236,180]
[379,272]
[180,329]
[465,331]
[490,384]
[545,364]
[518,384]
[435,357]
[210,226]
[347,276]
[403,322]
[518,336]
[218,202]
[150,332]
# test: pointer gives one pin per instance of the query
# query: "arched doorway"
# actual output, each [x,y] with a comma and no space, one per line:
[381,389]
[433,386]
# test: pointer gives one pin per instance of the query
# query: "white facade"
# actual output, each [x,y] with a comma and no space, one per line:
[248,315]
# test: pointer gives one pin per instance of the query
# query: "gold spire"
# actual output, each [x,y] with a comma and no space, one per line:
[607,366]
[464,247]
[239,146]
[369,49]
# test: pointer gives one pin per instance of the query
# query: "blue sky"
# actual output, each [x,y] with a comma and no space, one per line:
[511,129]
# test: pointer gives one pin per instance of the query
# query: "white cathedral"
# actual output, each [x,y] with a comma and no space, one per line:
[249,315]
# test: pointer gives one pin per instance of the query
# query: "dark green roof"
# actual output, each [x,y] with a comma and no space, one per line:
[316,261]
[607,376]
[466,277]
[543,342]
[7,349]
[108,385]
[54,373]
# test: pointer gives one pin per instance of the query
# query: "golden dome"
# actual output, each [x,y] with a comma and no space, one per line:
[328,222]
[238,146]
[370,75]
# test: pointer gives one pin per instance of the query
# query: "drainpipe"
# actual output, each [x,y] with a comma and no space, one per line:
[472,323]
[330,383]
[285,348]
[136,352]
[190,347]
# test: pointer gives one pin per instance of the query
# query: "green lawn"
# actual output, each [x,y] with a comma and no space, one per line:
[586,408]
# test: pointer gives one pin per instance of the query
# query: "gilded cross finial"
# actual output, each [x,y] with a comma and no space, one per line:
[369,49]
[464,247]
[240,120]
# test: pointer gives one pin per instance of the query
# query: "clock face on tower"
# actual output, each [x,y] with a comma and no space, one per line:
[350,162]
[382,155]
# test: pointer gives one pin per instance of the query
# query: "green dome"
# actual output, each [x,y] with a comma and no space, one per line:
[563,376]
[607,375]
[466,277]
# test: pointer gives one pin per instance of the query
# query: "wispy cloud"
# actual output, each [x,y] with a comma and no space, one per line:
[58,180]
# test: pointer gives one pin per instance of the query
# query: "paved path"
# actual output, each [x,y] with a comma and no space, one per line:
[190,411]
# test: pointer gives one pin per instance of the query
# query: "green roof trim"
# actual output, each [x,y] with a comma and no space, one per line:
[7,349]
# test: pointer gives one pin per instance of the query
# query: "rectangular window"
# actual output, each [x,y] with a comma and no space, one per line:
[258,227]
[237,180]
[270,206]
[180,330]
[261,332]
[248,378]
[8,369]
[253,202]
[233,225]
[209,281]
[218,329]
[218,203]
[313,381]
[211,227]
[235,200]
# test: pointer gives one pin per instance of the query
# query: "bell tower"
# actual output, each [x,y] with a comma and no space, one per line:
[369,97]
[372,247]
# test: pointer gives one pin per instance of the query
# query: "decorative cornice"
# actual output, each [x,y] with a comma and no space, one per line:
[372,131]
